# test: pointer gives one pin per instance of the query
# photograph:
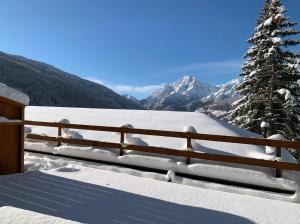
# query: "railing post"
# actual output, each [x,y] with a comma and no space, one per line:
[189,146]
[122,141]
[278,155]
[59,135]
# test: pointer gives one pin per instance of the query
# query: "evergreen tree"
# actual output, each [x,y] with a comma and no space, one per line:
[270,91]
[249,110]
[263,16]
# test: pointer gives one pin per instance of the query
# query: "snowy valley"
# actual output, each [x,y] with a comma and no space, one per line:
[185,94]
[115,146]
[54,188]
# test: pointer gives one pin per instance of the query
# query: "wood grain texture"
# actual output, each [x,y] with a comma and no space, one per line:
[10,149]
[11,137]
[206,137]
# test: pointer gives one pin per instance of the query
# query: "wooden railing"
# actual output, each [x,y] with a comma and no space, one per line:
[278,165]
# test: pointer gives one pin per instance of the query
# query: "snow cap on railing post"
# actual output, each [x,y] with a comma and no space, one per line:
[62,130]
[122,137]
[189,146]
[65,121]
[126,126]
[66,132]
[277,150]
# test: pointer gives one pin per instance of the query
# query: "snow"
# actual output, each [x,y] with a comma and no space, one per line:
[214,113]
[46,163]
[6,120]
[259,27]
[264,124]
[226,90]
[276,40]
[90,193]
[190,86]
[129,139]
[189,129]
[13,94]
[130,97]
[187,87]
[262,177]
[253,73]
[67,133]
[171,175]
[270,150]
[281,9]
[293,65]
[148,161]
[272,49]
[287,93]
[268,22]
[160,120]
[251,50]
[27,130]
[279,16]
[174,121]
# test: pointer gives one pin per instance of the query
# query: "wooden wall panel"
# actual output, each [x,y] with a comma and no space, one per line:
[11,139]
[10,111]
[10,149]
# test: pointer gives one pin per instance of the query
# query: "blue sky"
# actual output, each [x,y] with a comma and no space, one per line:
[134,46]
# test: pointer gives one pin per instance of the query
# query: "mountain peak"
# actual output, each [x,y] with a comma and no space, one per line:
[176,95]
[225,91]
[188,78]
[190,86]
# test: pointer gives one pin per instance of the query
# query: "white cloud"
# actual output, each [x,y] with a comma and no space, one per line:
[215,67]
[206,69]
[99,81]
[127,89]
[136,89]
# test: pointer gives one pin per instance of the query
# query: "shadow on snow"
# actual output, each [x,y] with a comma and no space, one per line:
[88,203]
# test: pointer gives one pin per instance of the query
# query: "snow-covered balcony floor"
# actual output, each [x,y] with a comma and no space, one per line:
[90,194]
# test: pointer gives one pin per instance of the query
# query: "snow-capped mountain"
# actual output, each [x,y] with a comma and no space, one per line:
[219,103]
[189,94]
[225,91]
[187,86]
[190,87]
[184,94]
[130,97]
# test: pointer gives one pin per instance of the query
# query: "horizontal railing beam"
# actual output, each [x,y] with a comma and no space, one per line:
[173,152]
[206,137]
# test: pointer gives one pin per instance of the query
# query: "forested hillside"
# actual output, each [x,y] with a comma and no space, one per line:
[49,86]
